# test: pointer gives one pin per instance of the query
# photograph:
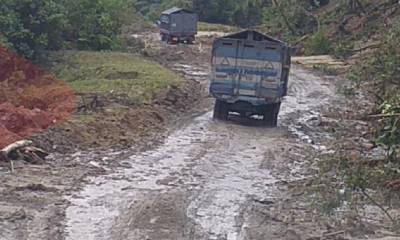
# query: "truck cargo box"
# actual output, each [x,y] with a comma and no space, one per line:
[178,23]
[250,65]
[250,73]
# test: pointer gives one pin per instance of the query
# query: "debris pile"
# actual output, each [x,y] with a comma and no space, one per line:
[24,151]
[31,100]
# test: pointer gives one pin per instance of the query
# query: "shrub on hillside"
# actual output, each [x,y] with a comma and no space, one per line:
[31,27]
[318,44]
[384,71]
[380,72]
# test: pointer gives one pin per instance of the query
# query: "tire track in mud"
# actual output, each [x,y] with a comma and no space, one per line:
[198,184]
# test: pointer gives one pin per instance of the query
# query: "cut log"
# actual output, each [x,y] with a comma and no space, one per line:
[311,61]
[23,150]
[385,115]
[15,146]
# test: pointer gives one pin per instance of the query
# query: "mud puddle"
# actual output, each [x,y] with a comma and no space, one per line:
[200,182]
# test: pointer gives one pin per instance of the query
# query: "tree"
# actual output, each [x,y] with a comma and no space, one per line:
[32,26]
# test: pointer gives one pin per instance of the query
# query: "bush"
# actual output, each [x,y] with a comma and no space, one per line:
[319,44]
[382,72]
[96,24]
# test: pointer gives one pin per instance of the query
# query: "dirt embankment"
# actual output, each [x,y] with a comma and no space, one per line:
[31,100]
[119,121]
[117,126]
[123,101]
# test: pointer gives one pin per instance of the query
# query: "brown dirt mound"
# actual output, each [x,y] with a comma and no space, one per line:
[31,100]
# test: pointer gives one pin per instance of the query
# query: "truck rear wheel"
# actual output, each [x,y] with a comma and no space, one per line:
[277,108]
[221,110]
[191,39]
[168,39]
[164,37]
[271,113]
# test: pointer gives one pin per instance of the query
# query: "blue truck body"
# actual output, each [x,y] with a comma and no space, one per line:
[178,25]
[249,76]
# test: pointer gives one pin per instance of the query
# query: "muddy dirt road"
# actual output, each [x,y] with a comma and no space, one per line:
[202,182]
[207,180]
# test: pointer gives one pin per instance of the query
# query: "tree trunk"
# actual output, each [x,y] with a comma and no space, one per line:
[275,3]
[357,5]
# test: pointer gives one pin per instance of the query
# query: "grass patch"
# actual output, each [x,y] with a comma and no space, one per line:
[113,73]
[210,27]
[325,69]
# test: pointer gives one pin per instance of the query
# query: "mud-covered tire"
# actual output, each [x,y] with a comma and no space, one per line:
[168,39]
[277,108]
[270,116]
[221,110]
[163,37]
[267,116]
[191,40]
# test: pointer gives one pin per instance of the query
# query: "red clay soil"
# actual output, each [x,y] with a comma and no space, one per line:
[31,100]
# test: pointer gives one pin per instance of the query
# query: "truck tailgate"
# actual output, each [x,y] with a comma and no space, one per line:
[247,69]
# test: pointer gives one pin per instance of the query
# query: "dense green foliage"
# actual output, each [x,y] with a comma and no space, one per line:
[32,26]
[369,32]
[240,13]
[95,24]
[383,70]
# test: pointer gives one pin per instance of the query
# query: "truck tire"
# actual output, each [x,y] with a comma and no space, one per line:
[168,39]
[224,111]
[277,108]
[217,107]
[270,116]
[267,116]
[163,38]
[191,39]
[221,110]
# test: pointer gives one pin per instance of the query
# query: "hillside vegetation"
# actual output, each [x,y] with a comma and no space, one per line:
[367,35]
[33,27]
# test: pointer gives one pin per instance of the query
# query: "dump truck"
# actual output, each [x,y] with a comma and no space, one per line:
[178,25]
[250,73]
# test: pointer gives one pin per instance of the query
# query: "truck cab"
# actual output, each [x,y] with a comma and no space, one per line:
[250,74]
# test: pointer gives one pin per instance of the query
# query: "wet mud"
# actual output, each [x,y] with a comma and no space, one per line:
[206,179]
[203,181]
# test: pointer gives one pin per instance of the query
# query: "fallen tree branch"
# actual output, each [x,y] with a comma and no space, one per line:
[385,115]
[360,6]
[23,150]
[379,206]
[394,184]
[17,145]
[301,39]
[372,46]
[333,234]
